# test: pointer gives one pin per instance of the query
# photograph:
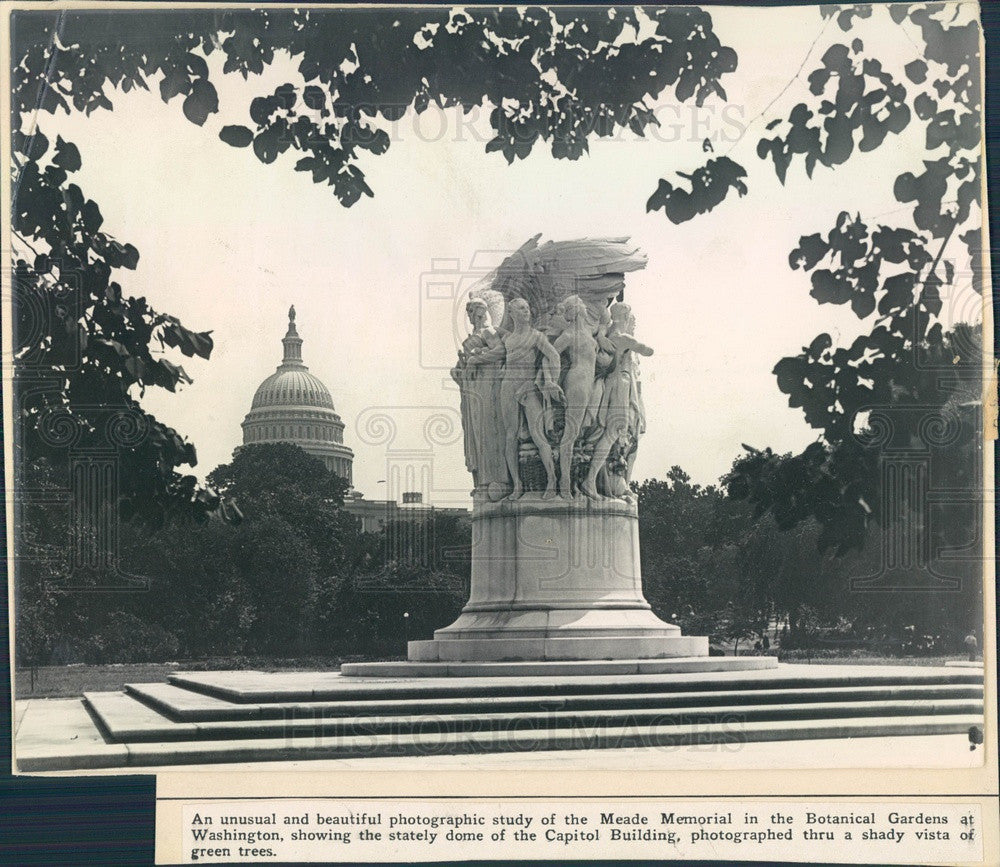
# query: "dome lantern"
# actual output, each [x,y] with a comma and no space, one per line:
[292,343]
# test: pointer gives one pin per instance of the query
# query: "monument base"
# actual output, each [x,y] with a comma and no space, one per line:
[557,634]
[555,580]
[559,667]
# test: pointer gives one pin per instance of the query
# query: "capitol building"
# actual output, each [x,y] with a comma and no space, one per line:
[293,406]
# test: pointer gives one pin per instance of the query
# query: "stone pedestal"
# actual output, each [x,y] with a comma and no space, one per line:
[556,580]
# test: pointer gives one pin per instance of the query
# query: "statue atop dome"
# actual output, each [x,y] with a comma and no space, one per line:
[292,343]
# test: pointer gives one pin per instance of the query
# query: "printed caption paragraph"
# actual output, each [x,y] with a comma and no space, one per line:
[381,830]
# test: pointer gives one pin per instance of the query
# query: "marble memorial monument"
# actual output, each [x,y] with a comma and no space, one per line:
[552,414]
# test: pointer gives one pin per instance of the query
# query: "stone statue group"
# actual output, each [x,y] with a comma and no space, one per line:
[553,407]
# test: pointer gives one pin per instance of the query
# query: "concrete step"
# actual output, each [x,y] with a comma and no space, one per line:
[186,705]
[409,744]
[127,720]
[254,687]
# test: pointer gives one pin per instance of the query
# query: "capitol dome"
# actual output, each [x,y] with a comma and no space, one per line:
[293,406]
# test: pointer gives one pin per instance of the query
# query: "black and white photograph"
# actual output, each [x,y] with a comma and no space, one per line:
[505,393]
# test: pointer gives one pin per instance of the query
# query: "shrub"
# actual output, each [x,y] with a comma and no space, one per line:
[124,637]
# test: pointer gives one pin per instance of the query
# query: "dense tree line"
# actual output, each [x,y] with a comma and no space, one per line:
[295,577]
[298,578]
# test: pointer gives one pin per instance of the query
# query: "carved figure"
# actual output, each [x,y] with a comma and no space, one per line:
[526,388]
[542,331]
[479,387]
[619,411]
[638,415]
[578,341]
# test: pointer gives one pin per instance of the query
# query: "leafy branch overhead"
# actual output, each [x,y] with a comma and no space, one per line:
[857,104]
[557,75]
[858,95]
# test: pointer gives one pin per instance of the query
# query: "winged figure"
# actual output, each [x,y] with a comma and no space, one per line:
[545,274]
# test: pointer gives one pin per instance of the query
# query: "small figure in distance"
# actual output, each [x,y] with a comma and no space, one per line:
[972,646]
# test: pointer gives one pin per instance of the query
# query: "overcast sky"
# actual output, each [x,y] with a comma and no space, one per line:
[227,244]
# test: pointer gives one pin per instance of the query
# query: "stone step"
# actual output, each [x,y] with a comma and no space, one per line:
[186,705]
[156,754]
[127,720]
[249,687]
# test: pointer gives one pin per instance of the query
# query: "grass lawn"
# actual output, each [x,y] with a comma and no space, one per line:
[65,681]
[61,681]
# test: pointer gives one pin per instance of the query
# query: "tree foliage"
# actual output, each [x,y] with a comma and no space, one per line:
[295,577]
[558,75]
[272,587]
[82,349]
[857,105]
[909,372]
[709,186]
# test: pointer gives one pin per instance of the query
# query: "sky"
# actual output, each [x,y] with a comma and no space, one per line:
[227,244]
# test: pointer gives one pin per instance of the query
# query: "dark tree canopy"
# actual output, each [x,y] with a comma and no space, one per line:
[262,472]
[82,348]
[558,75]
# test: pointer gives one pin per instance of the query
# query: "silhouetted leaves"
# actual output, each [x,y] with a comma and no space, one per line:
[858,96]
[855,258]
[845,15]
[837,480]
[894,371]
[67,156]
[916,71]
[709,186]
[189,342]
[557,76]
[201,101]
[32,146]
[80,346]
[237,136]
